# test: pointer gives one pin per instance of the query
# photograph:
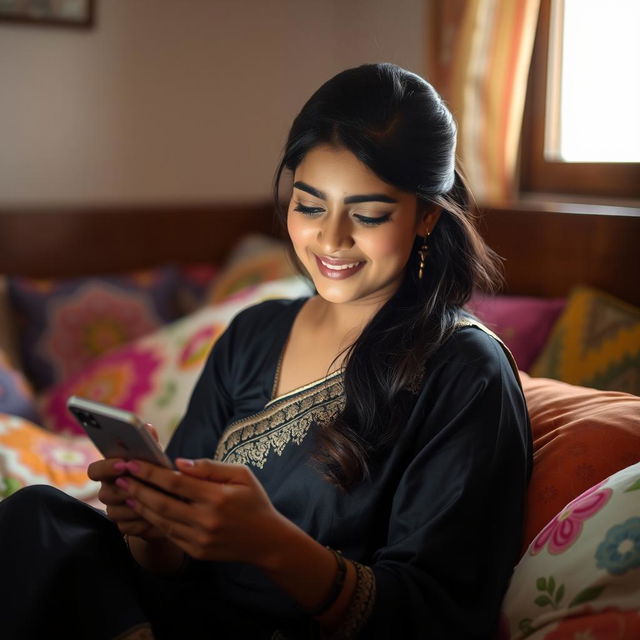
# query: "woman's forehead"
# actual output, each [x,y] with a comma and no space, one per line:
[337,172]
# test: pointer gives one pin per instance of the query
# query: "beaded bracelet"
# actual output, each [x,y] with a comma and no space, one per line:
[336,587]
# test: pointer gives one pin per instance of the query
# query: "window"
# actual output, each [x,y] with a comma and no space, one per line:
[584,82]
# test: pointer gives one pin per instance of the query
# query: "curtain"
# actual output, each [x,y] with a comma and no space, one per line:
[479,52]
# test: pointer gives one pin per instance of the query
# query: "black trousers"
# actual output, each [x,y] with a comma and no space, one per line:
[66,572]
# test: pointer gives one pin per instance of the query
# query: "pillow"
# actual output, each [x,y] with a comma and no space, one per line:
[30,455]
[195,281]
[65,323]
[595,343]
[580,437]
[580,577]
[254,260]
[154,376]
[523,323]
[16,396]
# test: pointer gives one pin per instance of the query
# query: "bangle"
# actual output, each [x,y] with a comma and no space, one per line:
[336,587]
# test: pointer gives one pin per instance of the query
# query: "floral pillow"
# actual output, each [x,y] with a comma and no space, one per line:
[196,280]
[580,577]
[16,396]
[65,323]
[154,376]
[31,455]
[254,260]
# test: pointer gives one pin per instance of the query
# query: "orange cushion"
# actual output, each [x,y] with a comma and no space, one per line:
[580,437]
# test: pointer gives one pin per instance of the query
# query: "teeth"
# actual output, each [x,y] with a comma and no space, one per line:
[340,267]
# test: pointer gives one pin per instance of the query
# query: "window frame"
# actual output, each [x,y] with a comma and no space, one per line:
[539,175]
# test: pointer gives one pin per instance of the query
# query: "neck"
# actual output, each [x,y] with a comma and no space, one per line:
[347,319]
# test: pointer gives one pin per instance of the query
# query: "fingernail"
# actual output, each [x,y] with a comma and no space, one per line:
[186,462]
[123,483]
[120,466]
[131,503]
[133,466]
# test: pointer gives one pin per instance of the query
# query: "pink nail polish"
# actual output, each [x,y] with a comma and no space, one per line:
[133,466]
[120,466]
[123,483]
[131,503]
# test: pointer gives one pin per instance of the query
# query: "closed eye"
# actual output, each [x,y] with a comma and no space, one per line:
[365,220]
[308,210]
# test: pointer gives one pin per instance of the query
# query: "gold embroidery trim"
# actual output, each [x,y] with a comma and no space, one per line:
[285,420]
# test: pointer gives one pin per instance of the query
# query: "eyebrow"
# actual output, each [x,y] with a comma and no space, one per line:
[365,197]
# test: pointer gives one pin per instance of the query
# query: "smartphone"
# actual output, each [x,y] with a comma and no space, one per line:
[117,433]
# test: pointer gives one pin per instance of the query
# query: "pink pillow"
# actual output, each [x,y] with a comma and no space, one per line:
[523,323]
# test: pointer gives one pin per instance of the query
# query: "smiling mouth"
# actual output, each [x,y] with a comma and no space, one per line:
[338,269]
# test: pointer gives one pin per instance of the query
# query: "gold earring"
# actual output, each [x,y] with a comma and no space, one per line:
[422,253]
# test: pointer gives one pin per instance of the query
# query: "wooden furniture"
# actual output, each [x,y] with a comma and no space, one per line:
[546,250]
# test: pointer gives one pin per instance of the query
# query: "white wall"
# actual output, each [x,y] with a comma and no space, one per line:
[167,100]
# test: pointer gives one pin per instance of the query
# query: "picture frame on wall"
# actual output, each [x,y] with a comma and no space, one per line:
[63,13]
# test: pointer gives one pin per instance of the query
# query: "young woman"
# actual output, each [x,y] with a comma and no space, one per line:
[353,464]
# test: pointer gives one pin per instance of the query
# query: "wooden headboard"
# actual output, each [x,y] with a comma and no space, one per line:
[546,251]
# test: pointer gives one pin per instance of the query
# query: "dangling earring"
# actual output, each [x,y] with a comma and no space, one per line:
[422,254]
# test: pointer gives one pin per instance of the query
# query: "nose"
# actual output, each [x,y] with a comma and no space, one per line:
[334,234]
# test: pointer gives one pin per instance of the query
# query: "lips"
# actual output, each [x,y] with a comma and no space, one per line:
[338,269]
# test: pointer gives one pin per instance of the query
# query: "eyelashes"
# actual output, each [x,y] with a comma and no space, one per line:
[365,220]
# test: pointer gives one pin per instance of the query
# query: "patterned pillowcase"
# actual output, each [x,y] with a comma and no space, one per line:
[595,343]
[154,376]
[572,426]
[30,455]
[524,323]
[580,577]
[195,282]
[65,323]
[16,396]
[256,259]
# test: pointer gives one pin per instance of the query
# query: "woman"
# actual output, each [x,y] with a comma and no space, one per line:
[352,464]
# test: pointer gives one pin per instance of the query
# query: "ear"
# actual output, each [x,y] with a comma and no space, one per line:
[429,220]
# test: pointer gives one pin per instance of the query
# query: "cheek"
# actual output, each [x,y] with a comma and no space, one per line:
[394,245]
[299,230]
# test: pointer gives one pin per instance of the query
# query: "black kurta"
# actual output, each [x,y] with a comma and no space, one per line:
[435,530]
[437,526]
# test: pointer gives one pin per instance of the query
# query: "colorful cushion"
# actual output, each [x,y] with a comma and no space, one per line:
[580,437]
[595,343]
[256,259]
[580,577]
[66,323]
[30,455]
[195,282]
[16,396]
[154,376]
[523,323]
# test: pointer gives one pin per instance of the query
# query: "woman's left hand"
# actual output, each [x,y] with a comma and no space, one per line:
[221,512]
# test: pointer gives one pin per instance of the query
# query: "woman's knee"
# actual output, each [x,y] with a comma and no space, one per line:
[34,496]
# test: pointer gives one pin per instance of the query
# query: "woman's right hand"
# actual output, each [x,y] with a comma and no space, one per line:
[107,471]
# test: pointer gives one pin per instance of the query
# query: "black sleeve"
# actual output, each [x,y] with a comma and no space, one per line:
[456,519]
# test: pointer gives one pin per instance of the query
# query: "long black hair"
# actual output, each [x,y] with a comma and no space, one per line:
[397,125]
